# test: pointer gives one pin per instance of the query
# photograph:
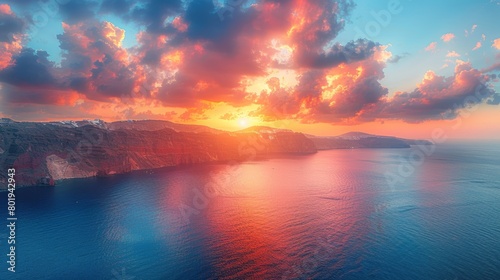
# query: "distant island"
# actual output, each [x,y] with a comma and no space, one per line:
[45,152]
[359,140]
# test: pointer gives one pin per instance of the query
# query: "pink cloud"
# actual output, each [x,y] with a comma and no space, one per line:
[194,60]
[431,46]
[5,9]
[452,54]
[179,24]
[496,44]
[447,37]
[437,97]
[478,45]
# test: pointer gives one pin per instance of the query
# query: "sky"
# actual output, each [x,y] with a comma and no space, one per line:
[396,67]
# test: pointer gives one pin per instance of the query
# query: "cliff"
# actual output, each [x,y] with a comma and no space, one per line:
[43,153]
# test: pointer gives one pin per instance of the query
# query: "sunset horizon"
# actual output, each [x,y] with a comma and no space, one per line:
[427,134]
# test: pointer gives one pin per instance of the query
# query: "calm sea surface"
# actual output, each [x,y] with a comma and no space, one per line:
[339,214]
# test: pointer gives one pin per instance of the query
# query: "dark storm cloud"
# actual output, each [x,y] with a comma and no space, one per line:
[29,68]
[10,25]
[74,11]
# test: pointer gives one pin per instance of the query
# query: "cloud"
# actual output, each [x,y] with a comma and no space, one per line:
[94,66]
[25,2]
[228,116]
[207,47]
[478,45]
[10,24]
[197,113]
[452,54]
[29,68]
[437,97]
[335,95]
[494,67]
[31,78]
[397,58]
[12,30]
[74,11]
[496,44]
[473,28]
[94,61]
[118,7]
[352,51]
[281,57]
[5,9]
[447,37]
[345,98]
[432,46]
[153,14]
[46,95]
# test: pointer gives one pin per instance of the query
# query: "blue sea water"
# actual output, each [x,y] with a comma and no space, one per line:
[338,214]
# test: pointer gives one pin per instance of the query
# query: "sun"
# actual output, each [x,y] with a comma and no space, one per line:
[243,122]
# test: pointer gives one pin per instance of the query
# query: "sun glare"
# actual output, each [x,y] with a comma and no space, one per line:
[243,122]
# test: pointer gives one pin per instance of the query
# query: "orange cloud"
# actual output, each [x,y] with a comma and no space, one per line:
[447,37]
[113,33]
[496,44]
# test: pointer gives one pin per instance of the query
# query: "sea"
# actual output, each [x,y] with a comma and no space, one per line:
[427,212]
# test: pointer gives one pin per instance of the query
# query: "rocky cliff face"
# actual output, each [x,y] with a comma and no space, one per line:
[42,153]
